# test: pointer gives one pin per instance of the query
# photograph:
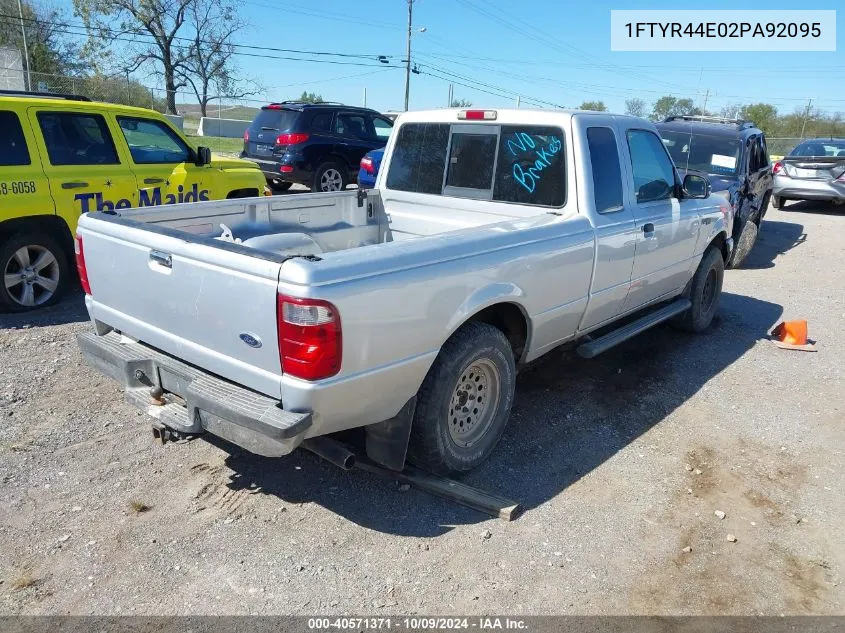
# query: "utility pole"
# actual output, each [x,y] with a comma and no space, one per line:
[517,101]
[706,97]
[806,115]
[365,97]
[408,59]
[450,99]
[28,76]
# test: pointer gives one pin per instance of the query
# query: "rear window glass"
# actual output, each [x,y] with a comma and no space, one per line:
[419,158]
[530,169]
[13,149]
[278,120]
[471,159]
[820,147]
[520,164]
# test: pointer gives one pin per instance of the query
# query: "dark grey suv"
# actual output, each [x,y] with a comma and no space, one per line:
[317,145]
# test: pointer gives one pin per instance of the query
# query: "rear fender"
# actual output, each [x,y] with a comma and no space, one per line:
[490,295]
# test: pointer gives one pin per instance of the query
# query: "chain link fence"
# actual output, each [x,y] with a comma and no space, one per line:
[780,147]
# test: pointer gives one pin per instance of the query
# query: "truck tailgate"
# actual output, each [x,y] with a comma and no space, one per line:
[209,303]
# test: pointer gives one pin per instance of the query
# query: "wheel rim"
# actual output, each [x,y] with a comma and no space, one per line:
[708,295]
[31,275]
[474,402]
[331,180]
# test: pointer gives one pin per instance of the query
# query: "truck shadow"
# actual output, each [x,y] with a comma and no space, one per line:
[775,239]
[570,416]
[70,309]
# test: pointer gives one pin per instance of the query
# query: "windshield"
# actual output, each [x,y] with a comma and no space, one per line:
[718,155]
[819,147]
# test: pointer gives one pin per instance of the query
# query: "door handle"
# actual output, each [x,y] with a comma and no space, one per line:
[74,185]
[153,181]
[161,258]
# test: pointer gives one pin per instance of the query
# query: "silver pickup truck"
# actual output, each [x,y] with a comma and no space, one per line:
[491,238]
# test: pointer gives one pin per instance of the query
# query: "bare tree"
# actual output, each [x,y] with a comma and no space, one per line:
[209,59]
[636,107]
[157,28]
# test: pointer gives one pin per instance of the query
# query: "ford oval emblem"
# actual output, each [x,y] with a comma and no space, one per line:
[251,340]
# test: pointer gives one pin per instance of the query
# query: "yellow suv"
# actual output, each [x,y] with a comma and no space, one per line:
[63,155]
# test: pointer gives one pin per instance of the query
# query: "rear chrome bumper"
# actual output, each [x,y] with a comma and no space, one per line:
[787,187]
[189,400]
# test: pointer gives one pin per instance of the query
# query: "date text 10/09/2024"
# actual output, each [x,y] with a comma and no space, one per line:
[482,623]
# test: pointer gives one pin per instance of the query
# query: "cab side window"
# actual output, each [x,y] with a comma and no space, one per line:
[77,139]
[13,150]
[607,175]
[152,142]
[654,174]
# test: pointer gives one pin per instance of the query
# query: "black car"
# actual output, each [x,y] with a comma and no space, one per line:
[318,145]
[733,155]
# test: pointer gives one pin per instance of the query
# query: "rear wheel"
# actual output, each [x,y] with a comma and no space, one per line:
[35,272]
[705,290]
[464,402]
[330,177]
[779,202]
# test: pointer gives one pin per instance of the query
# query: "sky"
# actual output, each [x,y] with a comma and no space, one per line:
[549,53]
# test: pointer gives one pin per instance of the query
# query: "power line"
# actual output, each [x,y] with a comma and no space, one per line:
[193,40]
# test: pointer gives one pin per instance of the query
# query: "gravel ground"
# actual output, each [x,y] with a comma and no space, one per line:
[621,463]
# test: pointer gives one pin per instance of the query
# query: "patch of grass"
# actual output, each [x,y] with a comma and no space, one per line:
[218,143]
[139,507]
[25,581]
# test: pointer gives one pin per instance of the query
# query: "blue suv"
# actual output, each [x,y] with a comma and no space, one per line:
[318,145]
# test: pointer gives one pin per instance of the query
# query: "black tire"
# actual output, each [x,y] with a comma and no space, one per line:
[743,244]
[46,285]
[779,202]
[704,292]
[279,187]
[437,435]
[330,171]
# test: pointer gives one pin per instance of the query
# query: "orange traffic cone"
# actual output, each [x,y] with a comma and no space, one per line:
[792,335]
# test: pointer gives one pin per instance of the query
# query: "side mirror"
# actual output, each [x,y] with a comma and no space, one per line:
[203,156]
[696,186]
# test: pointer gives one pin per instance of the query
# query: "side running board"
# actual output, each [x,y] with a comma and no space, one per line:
[611,339]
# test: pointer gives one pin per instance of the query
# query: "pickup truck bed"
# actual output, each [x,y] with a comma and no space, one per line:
[355,309]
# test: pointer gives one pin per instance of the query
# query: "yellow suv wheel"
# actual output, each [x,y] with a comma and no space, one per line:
[35,272]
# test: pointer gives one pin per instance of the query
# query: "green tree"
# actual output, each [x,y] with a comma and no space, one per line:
[668,105]
[763,115]
[636,107]
[310,97]
[597,106]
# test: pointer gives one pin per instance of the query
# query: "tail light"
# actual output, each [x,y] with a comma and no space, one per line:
[367,165]
[291,139]
[246,135]
[80,265]
[777,168]
[310,340]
